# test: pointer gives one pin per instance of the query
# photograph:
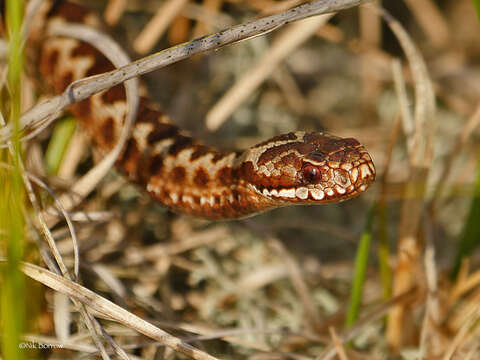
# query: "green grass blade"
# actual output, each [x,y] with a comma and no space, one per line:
[57,146]
[12,236]
[476,4]
[361,263]
[470,236]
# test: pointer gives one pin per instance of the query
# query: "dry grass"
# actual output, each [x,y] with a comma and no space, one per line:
[277,286]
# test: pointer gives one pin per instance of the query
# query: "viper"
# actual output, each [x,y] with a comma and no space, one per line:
[186,175]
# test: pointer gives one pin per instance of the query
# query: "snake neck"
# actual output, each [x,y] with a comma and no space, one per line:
[186,175]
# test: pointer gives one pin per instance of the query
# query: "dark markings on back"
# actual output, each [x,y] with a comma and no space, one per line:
[101,65]
[245,171]
[130,158]
[116,93]
[149,116]
[156,164]
[180,143]
[66,80]
[162,132]
[49,62]
[83,110]
[178,174]
[218,156]
[225,175]
[201,178]
[200,151]
[84,49]
[147,112]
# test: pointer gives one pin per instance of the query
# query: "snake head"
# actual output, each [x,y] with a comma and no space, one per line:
[302,167]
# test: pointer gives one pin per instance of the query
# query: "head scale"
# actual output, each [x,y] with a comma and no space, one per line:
[309,168]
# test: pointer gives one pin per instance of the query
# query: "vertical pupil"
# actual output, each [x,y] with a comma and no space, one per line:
[311,173]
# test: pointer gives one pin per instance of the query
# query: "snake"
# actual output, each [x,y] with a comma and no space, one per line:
[184,174]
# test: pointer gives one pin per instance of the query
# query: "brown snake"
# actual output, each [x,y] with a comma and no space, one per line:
[189,177]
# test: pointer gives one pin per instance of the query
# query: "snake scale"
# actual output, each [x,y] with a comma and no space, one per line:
[188,176]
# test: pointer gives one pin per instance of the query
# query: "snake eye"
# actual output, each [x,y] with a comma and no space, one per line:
[311,174]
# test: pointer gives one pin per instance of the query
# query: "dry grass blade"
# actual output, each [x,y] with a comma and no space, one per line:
[401,92]
[110,310]
[431,20]
[159,23]
[338,344]
[114,11]
[31,10]
[61,316]
[464,284]
[209,16]
[280,6]
[431,321]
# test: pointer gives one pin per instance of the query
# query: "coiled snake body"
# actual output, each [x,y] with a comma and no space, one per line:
[190,177]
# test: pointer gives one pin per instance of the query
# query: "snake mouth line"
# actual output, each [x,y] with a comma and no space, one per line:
[305,193]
